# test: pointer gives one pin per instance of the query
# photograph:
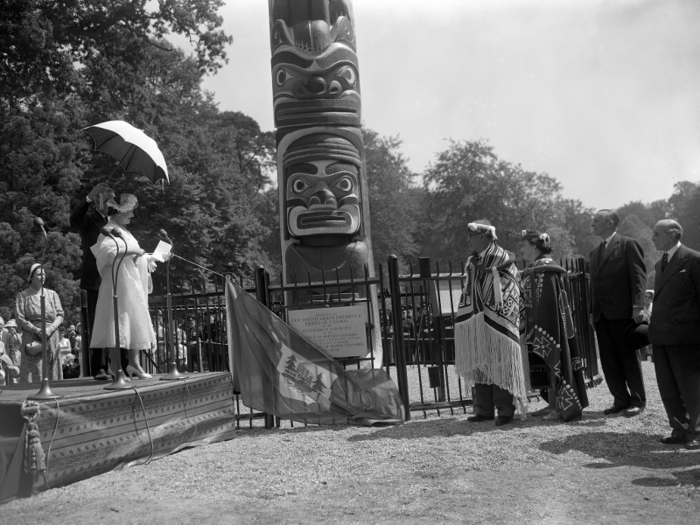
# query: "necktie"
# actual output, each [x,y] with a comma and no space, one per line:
[664,262]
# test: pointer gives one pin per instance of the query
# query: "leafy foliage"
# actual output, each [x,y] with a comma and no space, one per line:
[469,182]
[391,203]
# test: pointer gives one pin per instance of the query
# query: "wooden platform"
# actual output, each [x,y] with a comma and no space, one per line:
[91,430]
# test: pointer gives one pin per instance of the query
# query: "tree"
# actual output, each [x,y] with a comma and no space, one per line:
[391,204]
[685,208]
[469,182]
[70,63]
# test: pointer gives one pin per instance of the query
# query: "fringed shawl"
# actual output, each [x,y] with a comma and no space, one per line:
[548,329]
[487,341]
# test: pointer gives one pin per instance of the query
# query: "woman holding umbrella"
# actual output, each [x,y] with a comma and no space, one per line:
[132,265]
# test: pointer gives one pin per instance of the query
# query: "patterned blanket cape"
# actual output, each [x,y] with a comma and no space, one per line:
[548,331]
[487,339]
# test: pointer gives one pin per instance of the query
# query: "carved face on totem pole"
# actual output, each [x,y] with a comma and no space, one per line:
[322,181]
[314,65]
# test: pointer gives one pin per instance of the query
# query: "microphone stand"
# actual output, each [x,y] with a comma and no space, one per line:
[119,382]
[173,373]
[45,390]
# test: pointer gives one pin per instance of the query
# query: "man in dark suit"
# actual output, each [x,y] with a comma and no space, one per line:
[674,333]
[618,283]
[88,220]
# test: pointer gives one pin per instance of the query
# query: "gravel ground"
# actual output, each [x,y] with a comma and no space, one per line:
[443,469]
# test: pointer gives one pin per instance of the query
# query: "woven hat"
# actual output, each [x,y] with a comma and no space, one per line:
[11,324]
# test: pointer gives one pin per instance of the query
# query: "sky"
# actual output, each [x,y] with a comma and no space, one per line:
[604,96]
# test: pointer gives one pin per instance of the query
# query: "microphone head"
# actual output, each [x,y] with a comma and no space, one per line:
[38,221]
[116,232]
[162,233]
[106,231]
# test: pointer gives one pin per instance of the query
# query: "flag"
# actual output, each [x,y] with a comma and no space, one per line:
[279,372]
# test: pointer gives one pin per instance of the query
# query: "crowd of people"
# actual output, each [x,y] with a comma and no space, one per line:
[111,255]
[505,317]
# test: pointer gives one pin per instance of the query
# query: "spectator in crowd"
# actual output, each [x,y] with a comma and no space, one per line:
[487,341]
[618,282]
[194,340]
[28,311]
[674,332]
[547,328]
[70,335]
[88,218]
[8,371]
[71,367]
[64,345]
[12,342]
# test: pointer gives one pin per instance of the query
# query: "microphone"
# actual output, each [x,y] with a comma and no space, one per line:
[163,235]
[38,221]
[106,231]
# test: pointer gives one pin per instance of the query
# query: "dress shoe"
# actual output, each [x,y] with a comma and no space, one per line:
[132,371]
[693,445]
[102,376]
[503,420]
[672,440]
[479,418]
[633,411]
[614,410]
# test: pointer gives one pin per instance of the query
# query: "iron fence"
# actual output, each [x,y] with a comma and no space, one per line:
[415,332]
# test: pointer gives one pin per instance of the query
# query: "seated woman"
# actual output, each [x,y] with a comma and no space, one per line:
[132,265]
[547,327]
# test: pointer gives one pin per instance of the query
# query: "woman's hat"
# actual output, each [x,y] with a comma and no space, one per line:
[127,202]
[11,324]
[33,269]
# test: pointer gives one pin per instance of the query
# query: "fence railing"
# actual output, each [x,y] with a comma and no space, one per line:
[416,316]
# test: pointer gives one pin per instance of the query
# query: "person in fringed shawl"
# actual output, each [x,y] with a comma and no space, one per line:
[487,342]
[548,328]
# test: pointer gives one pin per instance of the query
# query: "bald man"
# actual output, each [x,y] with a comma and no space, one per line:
[674,333]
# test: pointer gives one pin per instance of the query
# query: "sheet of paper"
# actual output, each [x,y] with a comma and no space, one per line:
[162,249]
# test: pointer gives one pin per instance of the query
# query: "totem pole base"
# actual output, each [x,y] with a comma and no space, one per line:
[44,392]
[173,373]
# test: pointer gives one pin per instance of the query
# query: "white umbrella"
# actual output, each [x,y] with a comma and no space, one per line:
[131,147]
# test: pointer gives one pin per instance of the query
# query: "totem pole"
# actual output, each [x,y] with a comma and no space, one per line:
[324,214]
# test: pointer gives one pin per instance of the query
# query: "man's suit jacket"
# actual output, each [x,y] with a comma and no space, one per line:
[675,318]
[618,278]
[88,222]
